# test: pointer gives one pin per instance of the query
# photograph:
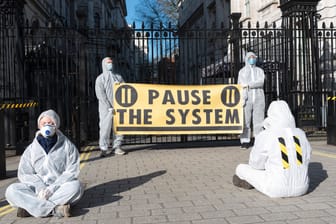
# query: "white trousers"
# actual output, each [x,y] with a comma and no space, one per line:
[24,196]
[267,184]
[105,129]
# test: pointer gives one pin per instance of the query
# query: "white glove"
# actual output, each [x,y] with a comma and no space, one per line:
[44,194]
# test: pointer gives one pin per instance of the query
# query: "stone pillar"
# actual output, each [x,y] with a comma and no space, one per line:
[301,69]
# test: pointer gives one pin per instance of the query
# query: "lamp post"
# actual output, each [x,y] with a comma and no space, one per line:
[235,41]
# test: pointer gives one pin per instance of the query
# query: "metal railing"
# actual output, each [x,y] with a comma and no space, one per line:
[57,67]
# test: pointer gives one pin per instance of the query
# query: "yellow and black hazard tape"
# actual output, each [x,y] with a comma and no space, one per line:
[333,98]
[17,105]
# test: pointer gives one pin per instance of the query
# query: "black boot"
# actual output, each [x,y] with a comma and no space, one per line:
[22,213]
[241,183]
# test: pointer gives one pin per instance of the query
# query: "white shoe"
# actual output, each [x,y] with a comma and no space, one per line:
[119,151]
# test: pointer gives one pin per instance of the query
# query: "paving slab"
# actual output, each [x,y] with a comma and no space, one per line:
[186,185]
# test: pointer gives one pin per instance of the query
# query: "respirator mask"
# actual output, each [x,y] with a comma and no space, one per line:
[48,130]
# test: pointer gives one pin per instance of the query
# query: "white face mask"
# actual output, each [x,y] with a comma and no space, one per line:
[109,66]
[48,130]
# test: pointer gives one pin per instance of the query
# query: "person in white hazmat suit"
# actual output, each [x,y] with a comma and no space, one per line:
[279,160]
[48,173]
[104,93]
[252,79]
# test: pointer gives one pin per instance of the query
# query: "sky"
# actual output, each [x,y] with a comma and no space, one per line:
[131,5]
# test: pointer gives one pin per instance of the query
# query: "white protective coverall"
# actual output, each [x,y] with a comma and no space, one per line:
[278,163]
[253,98]
[104,93]
[58,171]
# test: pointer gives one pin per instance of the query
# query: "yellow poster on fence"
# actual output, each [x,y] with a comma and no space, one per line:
[177,109]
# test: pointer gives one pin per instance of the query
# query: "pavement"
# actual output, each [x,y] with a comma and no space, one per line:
[185,185]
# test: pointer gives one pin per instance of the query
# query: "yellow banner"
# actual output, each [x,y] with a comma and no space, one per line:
[177,109]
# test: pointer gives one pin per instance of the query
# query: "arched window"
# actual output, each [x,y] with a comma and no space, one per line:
[247,8]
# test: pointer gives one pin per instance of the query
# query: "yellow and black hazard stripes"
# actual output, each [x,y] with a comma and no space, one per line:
[298,150]
[4,106]
[284,153]
[331,98]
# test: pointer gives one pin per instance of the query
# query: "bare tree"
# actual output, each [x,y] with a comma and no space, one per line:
[158,12]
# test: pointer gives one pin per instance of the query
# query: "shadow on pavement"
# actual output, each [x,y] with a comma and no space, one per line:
[167,146]
[316,175]
[106,193]
[183,145]
[3,203]
[11,173]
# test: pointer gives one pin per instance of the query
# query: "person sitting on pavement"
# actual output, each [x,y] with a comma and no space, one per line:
[48,173]
[278,162]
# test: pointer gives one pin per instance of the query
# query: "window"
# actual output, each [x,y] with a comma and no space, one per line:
[247,8]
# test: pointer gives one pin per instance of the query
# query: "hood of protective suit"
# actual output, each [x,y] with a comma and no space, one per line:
[279,116]
[248,54]
[104,65]
[52,115]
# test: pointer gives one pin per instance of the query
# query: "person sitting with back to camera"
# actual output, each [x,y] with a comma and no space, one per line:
[279,159]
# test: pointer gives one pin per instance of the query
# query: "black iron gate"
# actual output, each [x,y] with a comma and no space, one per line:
[56,67]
